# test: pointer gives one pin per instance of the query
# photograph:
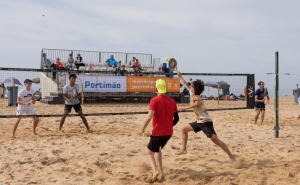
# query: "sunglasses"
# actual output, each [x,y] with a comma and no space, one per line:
[29,83]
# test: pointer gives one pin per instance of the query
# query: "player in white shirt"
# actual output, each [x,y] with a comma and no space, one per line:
[25,99]
[72,93]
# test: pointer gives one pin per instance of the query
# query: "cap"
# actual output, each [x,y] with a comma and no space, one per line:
[161,86]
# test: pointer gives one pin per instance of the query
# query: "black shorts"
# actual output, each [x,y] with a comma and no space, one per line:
[157,142]
[260,107]
[207,128]
[77,107]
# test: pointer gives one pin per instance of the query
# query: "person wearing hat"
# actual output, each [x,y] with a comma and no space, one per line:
[164,115]
[25,99]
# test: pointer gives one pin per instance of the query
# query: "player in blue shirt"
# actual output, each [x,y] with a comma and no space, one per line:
[261,95]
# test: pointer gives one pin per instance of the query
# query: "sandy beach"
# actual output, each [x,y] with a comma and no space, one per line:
[112,154]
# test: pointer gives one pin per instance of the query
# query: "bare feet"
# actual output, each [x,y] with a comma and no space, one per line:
[233,160]
[160,177]
[154,176]
[181,152]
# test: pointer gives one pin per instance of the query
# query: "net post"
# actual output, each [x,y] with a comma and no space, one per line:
[276,128]
[250,91]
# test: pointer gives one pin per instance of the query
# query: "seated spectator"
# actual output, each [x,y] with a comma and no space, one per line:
[123,71]
[90,67]
[137,70]
[139,65]
[70,63]
[111,61]
[78,61]
[134,65]
[118,70]
[131,63]
[57,65]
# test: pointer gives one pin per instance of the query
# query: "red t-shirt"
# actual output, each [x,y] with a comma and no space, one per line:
[59,65]
[162,120]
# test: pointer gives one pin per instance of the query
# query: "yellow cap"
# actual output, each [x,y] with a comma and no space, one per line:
[161,86]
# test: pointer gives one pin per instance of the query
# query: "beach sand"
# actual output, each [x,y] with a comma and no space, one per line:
[112,154]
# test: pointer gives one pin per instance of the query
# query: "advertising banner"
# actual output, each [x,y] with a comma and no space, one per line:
[147,84]
[101,83]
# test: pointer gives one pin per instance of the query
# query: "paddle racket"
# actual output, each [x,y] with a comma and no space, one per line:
[37,96]
[172,64]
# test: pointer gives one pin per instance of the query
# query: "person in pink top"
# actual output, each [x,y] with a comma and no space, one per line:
[164,115]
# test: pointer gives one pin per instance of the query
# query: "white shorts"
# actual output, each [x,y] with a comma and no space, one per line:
[25,109]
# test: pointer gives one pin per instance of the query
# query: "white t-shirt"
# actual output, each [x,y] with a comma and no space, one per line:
[68,90]
[26,96]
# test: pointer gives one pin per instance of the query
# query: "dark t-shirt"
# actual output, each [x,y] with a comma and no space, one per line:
[260,95]
[162,120]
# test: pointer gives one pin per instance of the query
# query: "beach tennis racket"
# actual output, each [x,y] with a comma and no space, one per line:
[37,96]
[172,64]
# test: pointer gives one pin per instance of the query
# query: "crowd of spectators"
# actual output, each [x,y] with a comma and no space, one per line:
[110,63]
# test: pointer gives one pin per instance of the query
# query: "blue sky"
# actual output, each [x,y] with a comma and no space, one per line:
[216,36]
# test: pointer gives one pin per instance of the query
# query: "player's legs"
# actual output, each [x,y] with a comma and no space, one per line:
[184,133]
[257,110]
[152,162]
[35,123]
[221,144]
[159,160]
[66,112]
[16,126]
[262,117]
[83,118]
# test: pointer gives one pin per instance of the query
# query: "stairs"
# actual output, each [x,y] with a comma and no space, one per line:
[54,98]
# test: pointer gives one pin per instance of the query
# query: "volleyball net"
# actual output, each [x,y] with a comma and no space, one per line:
[105,93]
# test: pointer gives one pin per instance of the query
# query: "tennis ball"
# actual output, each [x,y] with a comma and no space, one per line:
[166,59]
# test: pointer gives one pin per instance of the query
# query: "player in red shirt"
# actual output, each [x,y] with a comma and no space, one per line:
[164,114]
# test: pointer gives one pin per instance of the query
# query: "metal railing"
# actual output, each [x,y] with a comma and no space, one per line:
[93,57]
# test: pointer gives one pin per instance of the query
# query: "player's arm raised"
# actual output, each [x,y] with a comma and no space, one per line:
[183,81]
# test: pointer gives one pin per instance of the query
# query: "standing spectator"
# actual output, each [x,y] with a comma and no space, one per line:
[164,115]
[72,93]
[78,61]
[25,99]
[111,61]
[70,63]
[260,95]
